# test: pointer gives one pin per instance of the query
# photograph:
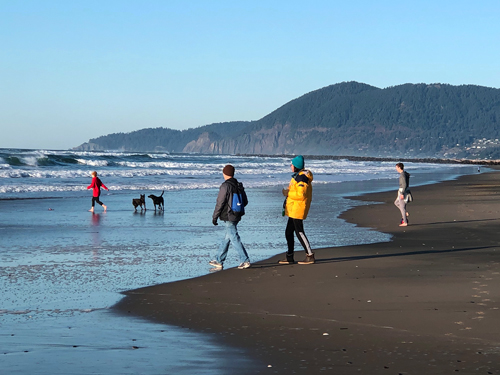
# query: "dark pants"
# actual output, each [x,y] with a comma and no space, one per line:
[96,199]
[296,226]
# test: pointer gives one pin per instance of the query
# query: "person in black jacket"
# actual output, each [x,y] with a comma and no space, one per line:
[230,218]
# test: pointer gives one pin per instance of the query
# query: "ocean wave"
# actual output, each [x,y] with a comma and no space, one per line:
[173,184]
[17,189]
[195,170]
[93,163]
[159,156]
[14,161]
[41,171]
[116,154]
[244,164]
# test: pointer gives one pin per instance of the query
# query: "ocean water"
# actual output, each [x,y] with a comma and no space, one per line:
[62,267]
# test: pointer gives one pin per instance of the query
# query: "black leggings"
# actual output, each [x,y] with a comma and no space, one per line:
[96,199]
[296,226]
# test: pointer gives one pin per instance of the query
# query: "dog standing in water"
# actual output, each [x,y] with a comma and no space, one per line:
[158,201]
[140,202]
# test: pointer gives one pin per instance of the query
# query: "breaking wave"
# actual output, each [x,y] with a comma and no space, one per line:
[27,172]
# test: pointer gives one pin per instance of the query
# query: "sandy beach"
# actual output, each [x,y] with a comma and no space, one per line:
[426,302]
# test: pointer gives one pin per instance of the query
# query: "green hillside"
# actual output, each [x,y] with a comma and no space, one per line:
[350,118]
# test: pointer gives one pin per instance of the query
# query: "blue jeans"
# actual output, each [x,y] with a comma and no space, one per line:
[231,237]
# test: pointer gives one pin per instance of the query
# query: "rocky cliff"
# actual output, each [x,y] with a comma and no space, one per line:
[349,118]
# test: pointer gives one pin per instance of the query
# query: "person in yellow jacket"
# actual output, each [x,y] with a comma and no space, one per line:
[297,203]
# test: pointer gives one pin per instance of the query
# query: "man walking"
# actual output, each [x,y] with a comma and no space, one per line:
[404,193]
[297,203]
[230,191]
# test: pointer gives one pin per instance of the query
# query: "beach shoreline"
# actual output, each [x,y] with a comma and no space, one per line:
[427,301]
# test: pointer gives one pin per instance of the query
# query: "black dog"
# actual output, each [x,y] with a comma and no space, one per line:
[139,202]
[158,200]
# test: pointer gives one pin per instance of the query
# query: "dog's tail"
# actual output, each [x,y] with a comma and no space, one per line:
[162,193]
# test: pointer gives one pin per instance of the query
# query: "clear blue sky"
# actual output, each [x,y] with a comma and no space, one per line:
[71,70]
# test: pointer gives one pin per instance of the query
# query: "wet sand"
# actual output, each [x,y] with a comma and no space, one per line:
[425,303]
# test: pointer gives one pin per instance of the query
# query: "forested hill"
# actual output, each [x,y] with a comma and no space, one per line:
[350,118]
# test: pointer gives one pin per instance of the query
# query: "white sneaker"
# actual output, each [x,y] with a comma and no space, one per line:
[215,264]
[244,265]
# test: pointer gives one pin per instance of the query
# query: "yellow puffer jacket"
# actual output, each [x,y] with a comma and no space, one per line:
[299,195]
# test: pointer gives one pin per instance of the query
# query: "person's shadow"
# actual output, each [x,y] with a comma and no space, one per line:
[265,264]
[96,238]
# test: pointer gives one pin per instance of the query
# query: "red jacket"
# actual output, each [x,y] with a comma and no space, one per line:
[96,186]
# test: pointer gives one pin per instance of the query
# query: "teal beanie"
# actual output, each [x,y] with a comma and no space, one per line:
[298,162]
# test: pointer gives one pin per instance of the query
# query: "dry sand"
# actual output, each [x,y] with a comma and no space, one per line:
[425,303]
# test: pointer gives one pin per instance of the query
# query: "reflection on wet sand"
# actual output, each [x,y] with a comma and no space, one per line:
[96,238]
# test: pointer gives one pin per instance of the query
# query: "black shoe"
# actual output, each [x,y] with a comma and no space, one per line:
[287,260]
[309,260]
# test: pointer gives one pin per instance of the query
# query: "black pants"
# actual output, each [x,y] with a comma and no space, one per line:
[96,199]
[296,226]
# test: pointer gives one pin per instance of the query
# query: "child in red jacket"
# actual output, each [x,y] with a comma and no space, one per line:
[96,191]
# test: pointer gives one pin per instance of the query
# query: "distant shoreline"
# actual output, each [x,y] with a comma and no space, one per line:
[370,158]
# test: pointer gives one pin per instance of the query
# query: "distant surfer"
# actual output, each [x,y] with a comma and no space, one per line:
[96,191]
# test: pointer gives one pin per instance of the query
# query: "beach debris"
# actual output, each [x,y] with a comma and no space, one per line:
[326,334]
[369,300]
[269,365]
